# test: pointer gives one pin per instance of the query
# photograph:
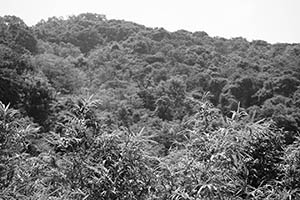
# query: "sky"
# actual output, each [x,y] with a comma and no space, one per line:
[270,20]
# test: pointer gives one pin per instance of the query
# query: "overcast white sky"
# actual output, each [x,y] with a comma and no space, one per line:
[270,20]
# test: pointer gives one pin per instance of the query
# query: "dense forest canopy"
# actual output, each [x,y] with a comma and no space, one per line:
[92,108]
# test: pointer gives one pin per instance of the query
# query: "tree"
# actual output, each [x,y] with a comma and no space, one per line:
[16,35]
[81,31]
[60,72]
[170,104]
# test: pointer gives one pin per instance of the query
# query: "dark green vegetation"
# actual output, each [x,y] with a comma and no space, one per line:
[107,109]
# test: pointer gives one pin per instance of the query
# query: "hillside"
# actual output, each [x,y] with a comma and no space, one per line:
[110,109]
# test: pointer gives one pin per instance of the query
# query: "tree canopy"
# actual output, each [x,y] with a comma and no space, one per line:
[92,108]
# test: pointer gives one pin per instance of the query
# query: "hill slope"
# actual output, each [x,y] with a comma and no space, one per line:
[108,109]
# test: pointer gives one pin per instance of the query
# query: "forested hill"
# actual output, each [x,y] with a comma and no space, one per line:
[76,90]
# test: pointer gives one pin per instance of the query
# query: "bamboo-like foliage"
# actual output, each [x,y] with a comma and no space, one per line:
[211,157]
[219,162]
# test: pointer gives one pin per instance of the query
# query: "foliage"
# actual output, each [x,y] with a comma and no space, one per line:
[173,115]
[17,35]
